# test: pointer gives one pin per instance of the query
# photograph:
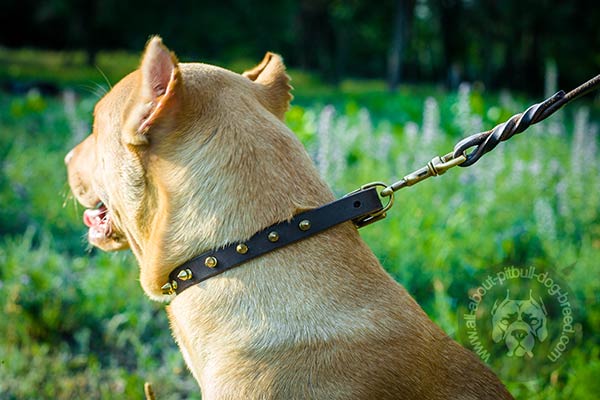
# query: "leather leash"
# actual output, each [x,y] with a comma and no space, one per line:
[362,207]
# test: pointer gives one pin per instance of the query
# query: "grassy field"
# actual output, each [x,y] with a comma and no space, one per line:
[77,325]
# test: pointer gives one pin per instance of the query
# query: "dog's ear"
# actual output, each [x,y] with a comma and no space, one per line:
[273,84]
[159,81]
[502,303]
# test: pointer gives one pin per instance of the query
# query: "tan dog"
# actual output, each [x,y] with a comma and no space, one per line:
[189,157]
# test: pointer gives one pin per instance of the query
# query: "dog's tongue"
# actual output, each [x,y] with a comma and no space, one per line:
[94,217]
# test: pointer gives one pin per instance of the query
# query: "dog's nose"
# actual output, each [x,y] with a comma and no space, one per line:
[68,157]
[519,333]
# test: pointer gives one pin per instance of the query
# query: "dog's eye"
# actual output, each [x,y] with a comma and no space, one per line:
[504,321]
[530,319]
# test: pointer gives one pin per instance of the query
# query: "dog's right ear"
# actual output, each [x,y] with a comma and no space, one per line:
[156,97]
[273,84]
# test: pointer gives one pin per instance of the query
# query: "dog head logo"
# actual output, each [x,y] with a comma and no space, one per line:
[519,323]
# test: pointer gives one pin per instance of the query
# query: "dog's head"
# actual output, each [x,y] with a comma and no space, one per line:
[186,157]
[518,323]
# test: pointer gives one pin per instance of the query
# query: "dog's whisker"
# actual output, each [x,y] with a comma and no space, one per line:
[67,195]
[94,88]
[105,77]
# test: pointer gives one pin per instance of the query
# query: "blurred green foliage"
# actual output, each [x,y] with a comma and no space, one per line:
[24,68]
[501,43]
[76,324]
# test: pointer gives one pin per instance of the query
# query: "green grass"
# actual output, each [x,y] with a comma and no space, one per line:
[76,323]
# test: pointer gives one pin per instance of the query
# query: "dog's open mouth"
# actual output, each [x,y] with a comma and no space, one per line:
[101,232]
[98,220]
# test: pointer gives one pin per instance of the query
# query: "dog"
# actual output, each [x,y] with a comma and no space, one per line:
[518,323]
[188,157]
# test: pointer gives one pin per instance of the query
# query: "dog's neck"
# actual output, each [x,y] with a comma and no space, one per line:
[286,298]
[228,203]
[294,291]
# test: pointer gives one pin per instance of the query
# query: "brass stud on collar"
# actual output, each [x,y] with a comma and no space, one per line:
[273,236]
[210,262]
[185,274]
[174,285]
[167,288]
[304,225]
[241,248]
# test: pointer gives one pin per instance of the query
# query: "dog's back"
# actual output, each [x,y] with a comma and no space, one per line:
[322,319]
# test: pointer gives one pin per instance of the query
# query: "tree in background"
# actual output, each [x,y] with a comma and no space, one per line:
[501,43]
[401,30]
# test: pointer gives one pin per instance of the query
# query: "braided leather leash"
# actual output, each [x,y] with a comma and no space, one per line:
[363,206]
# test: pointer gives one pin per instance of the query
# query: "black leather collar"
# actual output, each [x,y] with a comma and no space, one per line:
[362,207]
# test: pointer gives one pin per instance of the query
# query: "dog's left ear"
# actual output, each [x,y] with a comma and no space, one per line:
[154,101]
[273,84]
